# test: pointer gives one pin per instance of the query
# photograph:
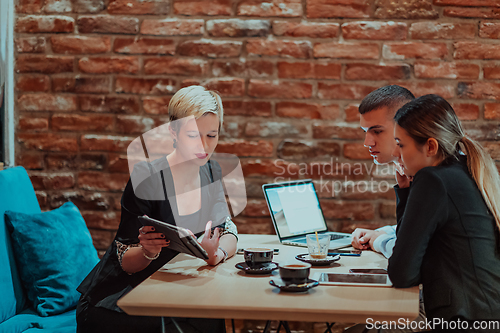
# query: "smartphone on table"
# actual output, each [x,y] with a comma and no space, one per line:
[368,270]
[356,253]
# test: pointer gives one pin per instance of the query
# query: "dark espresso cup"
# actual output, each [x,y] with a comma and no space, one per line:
[295,273]
[255,256]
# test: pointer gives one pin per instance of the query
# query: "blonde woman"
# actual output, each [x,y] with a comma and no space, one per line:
[449,217]
[177,191]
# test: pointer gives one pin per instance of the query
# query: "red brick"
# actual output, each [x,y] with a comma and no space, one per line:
[202,7]
[140,7]
[338,8]
[47,181]
[492,111]
[343,91]
[91,161]
[28,6]
[172,27]
[350,132]
[306,29]
[246,148]
[375,30]
[30,123]
[492,3]
[346,50]
[283,89]
[93,201]
[238,28]
[101,220]
[484,12]
[102,65]
[132,85]
[91,142]
[254,225]
[210,48]
[445,90]
[404,9]
[334,209]
[352,113]
[307,110]
[118,163]
[101,239]
[48,141]
[493,148]
[437,30]
[76,6]
[58,161]
[446,70]
[246,68]
[144,46]
[80,44]
[489,30]
[358,71]
[479,90]
[408,50]
[35,83]
[475,50]
[107,24]
[307,70]
[81,84]
[387,210]
[280,48]
[247,108]
[74,122]
[304,149]
[100,181]
[134,124]
[175,66]
[466,111]
[46,64]
[281,8]
[47,23]
[274,129]
[356,151]
[226,87]
[155,105]
[269,167]
[30,161]
[46,102]
[109,104]
[491,72]
[370,190]
[256,207]
[30,44]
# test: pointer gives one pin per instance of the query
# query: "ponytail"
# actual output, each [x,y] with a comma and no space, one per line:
[485,174]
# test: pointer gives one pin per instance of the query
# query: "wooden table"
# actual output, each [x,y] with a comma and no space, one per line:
[187,287]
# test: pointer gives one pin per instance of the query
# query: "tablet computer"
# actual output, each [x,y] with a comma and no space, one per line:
[181,239]
[353,279]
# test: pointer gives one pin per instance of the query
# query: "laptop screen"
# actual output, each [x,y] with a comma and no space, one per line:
[295,208]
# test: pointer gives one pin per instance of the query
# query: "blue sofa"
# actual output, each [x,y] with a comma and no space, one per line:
[16,312]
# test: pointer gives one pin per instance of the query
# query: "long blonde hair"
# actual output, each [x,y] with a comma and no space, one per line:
[431,116]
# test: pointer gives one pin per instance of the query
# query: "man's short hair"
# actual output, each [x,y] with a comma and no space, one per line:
[389,96]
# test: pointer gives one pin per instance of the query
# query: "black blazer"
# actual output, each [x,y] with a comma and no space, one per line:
[447,240]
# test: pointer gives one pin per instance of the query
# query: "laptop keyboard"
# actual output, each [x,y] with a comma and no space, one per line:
[335,236]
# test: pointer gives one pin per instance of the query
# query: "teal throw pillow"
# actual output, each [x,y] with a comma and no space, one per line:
[55,253]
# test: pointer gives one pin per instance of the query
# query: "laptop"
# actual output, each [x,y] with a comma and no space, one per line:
[296,212]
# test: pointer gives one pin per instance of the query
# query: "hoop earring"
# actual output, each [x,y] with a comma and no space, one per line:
[175,143]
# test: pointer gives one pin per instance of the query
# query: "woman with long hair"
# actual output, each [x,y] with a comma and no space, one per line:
[449,217]
[178,189]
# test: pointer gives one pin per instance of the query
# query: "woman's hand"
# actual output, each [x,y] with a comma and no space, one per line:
[402,179]
[211,244]
[152,242]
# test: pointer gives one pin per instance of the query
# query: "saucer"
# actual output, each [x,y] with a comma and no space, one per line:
[293,287]
[305,257]
[265,268]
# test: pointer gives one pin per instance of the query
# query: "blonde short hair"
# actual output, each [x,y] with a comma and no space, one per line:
[195,101]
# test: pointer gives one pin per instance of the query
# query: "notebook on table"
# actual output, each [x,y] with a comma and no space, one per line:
[296,212]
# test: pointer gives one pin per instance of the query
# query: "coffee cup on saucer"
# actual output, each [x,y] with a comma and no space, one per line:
[296,273]
[256,256]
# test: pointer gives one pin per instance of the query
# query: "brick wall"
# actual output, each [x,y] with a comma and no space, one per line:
[91,75]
